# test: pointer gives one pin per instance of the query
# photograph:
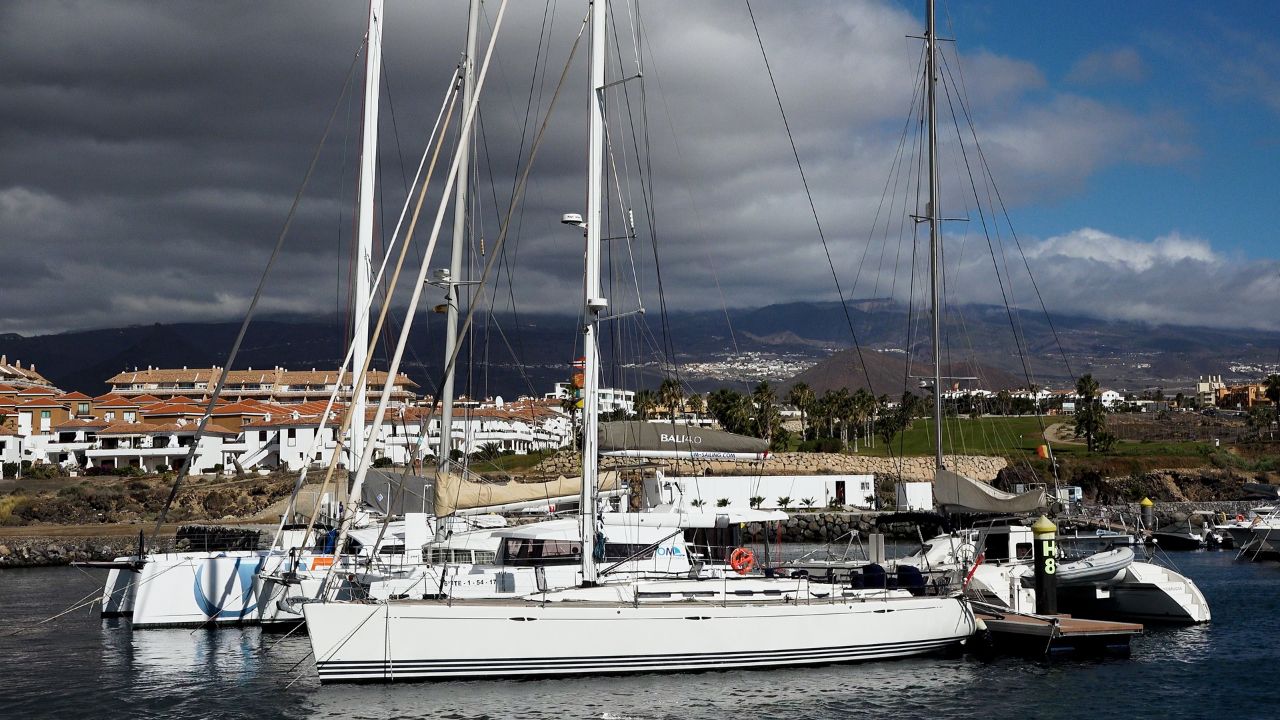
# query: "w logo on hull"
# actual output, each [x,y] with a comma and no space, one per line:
[223,587]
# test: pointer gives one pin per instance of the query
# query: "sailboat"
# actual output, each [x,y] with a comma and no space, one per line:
[604,626]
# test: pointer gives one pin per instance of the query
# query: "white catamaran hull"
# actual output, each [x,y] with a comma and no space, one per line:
[398,641]
[187,589]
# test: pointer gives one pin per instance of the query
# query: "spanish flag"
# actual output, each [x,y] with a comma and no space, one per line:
[1043,451]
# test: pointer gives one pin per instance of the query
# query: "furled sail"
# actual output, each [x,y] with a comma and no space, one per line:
[395,493]
[455,493]
[955,493]
[679,441]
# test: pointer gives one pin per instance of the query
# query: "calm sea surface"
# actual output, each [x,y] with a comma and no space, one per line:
[79,666]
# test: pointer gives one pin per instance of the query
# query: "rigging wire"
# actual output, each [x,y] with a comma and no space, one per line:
[253,304]
[812,207]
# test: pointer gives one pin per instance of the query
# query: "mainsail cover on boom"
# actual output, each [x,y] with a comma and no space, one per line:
[955,493]
[455,492]
[395,493]
[679,441]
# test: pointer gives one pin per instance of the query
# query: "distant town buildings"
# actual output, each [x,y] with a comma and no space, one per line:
[14,375]
[611,399]
[264,419]
[272,384]
[1207,390]
[1242,397]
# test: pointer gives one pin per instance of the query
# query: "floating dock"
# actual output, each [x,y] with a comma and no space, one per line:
[1057,634]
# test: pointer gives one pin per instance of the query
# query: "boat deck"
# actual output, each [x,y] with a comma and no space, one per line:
[1054,634]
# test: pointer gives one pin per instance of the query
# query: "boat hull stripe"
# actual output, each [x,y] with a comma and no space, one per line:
[409,669]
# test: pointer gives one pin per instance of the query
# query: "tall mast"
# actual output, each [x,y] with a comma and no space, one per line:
[459,243]
[935,233]
[594,303]
[364,236]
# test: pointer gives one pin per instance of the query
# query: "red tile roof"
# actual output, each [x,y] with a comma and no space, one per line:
[74,396]
[117,403]
[42,403]
[81,424]
[241,408]
[174,409]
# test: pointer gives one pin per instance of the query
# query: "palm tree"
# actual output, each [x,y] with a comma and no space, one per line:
[764,398]
[842,409]
[1090,416]
[695,405]
[824,412]
[671,395]
[645,401]
[801,397]
[862,406]
[1273,389]
[731,410]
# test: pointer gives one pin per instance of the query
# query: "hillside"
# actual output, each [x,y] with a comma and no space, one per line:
[527,354]
[887,374]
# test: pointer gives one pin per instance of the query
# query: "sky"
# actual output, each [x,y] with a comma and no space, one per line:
[150,152]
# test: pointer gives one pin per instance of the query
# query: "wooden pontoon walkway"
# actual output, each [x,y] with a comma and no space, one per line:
[1048,634]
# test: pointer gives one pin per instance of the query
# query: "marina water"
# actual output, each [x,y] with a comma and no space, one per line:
[81,666]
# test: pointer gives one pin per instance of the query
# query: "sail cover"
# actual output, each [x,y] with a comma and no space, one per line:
[636,438]
[455,493]
[955,493]
[395,493]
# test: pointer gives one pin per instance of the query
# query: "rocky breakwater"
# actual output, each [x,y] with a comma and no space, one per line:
[36,549]
[43,551]
[827,526]
[981,467]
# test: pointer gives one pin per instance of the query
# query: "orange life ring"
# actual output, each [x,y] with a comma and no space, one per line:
[742,560]
[1239,518]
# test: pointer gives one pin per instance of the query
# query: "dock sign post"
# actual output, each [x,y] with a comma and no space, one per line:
[1046,560]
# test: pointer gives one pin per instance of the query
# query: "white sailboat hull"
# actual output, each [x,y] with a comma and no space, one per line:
[399,641]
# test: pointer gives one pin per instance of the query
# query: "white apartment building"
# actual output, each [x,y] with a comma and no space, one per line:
[611,399]
[1207,390]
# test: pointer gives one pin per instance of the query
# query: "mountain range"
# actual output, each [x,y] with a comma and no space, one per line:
[526,354]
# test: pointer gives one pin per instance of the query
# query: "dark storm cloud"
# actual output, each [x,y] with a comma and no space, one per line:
[149,152]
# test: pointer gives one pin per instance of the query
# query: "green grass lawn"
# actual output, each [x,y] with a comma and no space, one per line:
[508,462]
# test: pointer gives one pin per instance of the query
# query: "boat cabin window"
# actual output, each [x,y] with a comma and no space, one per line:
[529,551]
[1025,550]
[459,556]
[996,546]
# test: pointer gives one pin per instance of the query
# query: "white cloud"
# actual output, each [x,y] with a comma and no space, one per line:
[157,176]
[1119,65]
[1122,254]
[1172,279]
